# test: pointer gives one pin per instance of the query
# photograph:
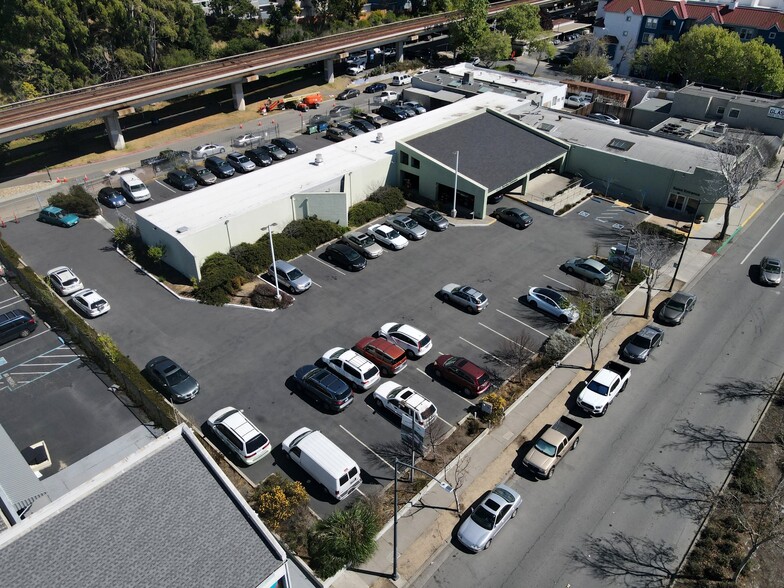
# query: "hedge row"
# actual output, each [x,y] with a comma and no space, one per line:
[223,275]
[385,200]
[77,200]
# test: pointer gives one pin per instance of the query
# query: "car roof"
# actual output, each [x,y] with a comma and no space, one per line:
[593,263]
[342,247]
[469,367]
[241,425]
[89,295]
[549,292]
[59,270]
[649,331]
[284,265]
[681,296]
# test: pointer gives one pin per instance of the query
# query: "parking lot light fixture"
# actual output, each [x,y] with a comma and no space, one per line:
[454,199]
[272,253]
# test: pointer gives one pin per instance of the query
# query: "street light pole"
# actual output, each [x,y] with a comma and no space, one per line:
[685,242]
[454,198]
[446,487]
[272,252]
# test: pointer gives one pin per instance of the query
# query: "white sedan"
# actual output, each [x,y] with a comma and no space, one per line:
[388,236]
[90,303]
[64,281]
[553,303]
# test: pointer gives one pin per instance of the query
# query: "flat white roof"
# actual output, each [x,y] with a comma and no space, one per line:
[209,206]
[502,78]
[646,147]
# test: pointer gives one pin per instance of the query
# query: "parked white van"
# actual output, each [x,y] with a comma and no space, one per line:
[324,461]
[133,188]
[401,79]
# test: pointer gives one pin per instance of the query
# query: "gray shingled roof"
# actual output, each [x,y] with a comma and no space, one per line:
[493,151]
[17,480]
[165,521]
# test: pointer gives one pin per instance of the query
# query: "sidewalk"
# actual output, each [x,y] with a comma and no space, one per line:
[424,532]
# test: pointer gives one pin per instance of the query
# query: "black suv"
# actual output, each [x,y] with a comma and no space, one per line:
[392,112]
[16,323]
[219,167]
[259,156]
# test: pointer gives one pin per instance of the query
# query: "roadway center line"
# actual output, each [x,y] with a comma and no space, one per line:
[325,263]
[761,239]
[485,352]
[165,186]
[522,323]
[572,288]
[504,336]
[368,448]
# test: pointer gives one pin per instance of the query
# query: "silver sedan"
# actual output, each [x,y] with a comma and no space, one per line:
[486,520]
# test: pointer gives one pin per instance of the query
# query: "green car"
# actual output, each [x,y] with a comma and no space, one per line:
[57,216]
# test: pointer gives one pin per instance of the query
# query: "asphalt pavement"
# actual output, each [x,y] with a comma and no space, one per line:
[604,487]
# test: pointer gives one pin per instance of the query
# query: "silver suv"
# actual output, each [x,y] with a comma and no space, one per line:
[290,276]
[240,162]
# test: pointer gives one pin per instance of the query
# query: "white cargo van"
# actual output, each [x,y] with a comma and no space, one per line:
[133,188]
[324,461]
[401,79]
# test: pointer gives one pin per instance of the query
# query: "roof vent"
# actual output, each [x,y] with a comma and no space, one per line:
[379,137]
[319,159]
[182,229]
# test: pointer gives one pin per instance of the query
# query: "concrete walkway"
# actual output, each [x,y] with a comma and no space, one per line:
[423,532]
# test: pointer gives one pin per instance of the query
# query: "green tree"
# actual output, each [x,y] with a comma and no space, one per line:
[760,68]
[589,67]
[493,47]
[521,22]
[658,59]
[344,538]
[706,53]
[229,18]
[541,49]
[468,32]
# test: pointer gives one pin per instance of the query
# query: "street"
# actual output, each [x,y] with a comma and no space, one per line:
[604,487]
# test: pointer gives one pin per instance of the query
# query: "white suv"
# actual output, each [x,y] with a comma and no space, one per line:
[352,367]
[415,342]
[241,436]
[402,400]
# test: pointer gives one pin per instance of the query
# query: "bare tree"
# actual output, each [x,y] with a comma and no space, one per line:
[456,476]
[595,305]
[435,434]
[654,250]
[761,519]
[648,562]
[516,353]
[690,494]
[741,159]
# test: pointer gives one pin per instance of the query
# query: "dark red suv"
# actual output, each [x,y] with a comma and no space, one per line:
[469,377]
[390,358]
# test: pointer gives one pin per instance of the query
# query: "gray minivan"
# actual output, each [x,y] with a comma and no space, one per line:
[290,276]
[16,323]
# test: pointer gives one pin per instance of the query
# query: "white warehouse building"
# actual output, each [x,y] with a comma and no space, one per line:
[325,184]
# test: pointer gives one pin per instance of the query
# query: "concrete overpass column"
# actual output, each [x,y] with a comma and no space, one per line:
[238,95]
[114,130]
[399,50]
[329,71]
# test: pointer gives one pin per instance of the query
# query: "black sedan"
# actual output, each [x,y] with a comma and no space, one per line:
[344,256]
[373,88]
[179,179]
[286,144]
[427,217]
[515,217]
[111,197]
[260,156]
[323,387]
[363,125]
[347,94]
[170,379]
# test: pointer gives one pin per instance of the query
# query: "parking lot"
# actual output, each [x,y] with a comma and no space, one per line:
[49,394]
[245,357]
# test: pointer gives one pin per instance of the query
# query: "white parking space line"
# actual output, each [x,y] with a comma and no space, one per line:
[17,297]
[11,303]
[761,239]
[450,425]
[366,447]
[522,323]
[103,222]
[26,339]
[485,352]
[572,288]
[39,375]
[325,263]
[504,337]
[421,371]
[165,186]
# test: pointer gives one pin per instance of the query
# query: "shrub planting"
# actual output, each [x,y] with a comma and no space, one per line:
[77,200]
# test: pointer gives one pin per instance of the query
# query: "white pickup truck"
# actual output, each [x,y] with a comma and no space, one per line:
[600,391]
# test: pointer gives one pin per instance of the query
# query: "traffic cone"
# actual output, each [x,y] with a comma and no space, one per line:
[85,178]
[240,125]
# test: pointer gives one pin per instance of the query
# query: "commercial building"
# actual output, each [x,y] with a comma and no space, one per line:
[164,516]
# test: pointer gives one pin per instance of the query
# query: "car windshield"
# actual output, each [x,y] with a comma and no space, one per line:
[428,412]
[772,267]
[600,389]
[504,494]
[203,171]
[640,341]
[483,379]
[393,234]
[176,377]
[295,274]
[562,303]
[483,517]
[675,305]
[546,448]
